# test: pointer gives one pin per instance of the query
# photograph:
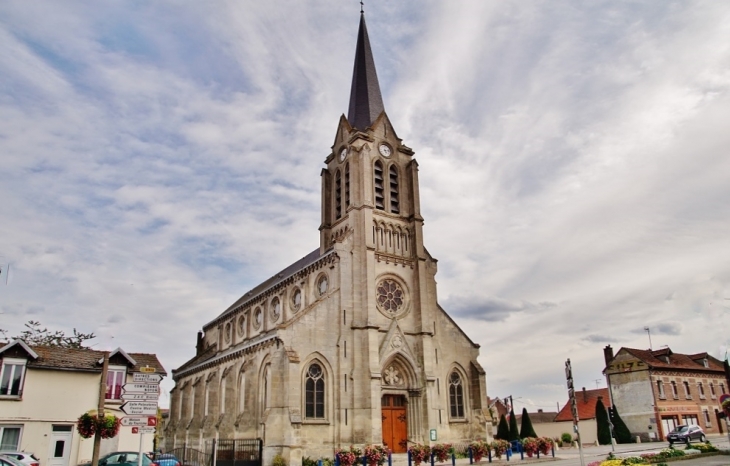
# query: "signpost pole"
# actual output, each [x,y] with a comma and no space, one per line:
[574,407]
[139,458]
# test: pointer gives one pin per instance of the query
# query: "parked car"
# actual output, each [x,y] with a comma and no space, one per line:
[686,434]
[6,460]
[28,459]
[121,458]
[165,459]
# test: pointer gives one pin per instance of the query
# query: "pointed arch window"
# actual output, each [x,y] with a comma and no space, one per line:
[379,188]
[393,180]
[314,388]
[338,194]
[456,396]
[347,185]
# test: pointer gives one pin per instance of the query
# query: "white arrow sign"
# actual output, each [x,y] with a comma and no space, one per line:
[138,377]
[140,396]
[139,407]
[141,388]
[139,421]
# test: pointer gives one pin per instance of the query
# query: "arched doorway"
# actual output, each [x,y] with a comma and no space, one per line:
[395,423]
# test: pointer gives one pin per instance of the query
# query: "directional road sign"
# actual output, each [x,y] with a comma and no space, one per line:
[140,396]
[139,407]
[139,421]
[139,377]
[143,430]
[141,388]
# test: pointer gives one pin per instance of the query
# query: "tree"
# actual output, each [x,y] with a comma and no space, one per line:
[514,433]
[502,429]
[620,431]
[603,430]
[526,429]
[36,336]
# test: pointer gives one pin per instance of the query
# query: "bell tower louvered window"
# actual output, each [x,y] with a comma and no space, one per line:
[379,188]
[338,194]
[394,204]
[347,185]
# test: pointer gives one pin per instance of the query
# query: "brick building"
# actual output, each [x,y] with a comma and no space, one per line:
[656,390]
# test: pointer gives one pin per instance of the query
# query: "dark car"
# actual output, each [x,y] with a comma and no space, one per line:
[686,434]
[121,458]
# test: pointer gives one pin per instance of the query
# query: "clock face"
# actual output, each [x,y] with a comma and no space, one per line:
[384,150]
[343,154]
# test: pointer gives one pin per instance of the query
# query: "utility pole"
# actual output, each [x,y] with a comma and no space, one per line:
[100,409]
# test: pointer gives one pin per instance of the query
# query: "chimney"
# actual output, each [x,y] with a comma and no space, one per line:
[199,344]
[585,395]
[608,354]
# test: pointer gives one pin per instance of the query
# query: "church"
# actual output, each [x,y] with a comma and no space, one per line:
[348,345]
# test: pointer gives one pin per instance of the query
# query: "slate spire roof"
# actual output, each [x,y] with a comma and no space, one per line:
[366,102]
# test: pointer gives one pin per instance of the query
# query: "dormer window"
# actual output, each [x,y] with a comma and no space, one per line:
[705,363]
[116,376]
[12,375]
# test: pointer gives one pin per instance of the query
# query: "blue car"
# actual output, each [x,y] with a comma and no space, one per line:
[165,459]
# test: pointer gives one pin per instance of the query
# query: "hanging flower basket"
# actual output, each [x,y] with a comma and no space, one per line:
[108,426]
[86,425]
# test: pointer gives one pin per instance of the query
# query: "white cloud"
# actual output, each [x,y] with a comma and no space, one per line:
[160,160]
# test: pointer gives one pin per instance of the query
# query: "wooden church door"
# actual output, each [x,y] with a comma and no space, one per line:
[395,423]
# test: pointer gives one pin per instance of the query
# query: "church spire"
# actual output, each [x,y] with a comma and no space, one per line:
[366,102]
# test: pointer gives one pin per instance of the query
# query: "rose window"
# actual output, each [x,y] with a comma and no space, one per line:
[390,296]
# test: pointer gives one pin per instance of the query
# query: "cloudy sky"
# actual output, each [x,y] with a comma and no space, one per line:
[158,159]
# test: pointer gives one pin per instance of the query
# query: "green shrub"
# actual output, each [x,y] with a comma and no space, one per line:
[278,461]
[307,461]
[603,430]
[566,438]
[514,431]
[526,430]
[502,429]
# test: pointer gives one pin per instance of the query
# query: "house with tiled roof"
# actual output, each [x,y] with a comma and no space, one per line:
[44,389]
[656,390]
[562,422]
[586,402]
